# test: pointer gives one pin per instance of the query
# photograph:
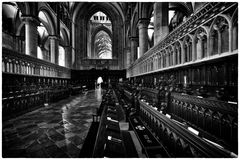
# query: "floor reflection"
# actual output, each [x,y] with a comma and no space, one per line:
[57,130]
[99,93]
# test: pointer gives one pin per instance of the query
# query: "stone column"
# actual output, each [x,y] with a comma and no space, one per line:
[31,35]
[57,52]
[143,36]
[17,44]
[68,57]
[53,48]
[128,57]
[160,21]
[133,53]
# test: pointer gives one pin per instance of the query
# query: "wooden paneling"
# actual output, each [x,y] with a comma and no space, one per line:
[178,140]
[214,117]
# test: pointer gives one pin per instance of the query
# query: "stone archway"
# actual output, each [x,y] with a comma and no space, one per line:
[95,29]
[81,19]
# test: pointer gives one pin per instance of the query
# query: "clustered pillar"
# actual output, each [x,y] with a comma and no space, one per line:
[143,36]
[31,35]
[133,49]
[54,49]
[160,21]
[68,56]
[128,57]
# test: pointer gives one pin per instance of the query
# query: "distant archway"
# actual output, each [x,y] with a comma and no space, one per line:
[99,36]
[99,82]
[81,18]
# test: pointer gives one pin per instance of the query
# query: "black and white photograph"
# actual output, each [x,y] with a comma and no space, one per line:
[119,79]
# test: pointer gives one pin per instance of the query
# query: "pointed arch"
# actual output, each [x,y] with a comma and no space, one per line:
[65,39]
[178,52]
[50,20]
[188,47]
[219,30]
[201,41]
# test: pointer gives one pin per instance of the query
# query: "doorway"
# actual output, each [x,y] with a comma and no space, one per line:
[99,82]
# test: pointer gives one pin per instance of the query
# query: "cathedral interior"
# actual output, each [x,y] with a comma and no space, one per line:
[119,79]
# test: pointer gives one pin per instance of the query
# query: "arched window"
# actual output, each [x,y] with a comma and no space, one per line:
[10,15]
[43,51]
[43,45]
[103,45]
[99,37]
[39,53]
[176,17]
[61,56]
[151,31]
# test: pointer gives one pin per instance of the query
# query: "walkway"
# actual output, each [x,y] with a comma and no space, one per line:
[57,130]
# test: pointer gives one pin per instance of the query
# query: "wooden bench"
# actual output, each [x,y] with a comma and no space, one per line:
[21,103]
[109,141]
[151,147]
[180,142]
[76,90]
[16,103]
[218,118]
[151,95]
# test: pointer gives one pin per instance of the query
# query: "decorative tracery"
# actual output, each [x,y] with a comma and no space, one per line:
[188,49]
[220,36]
[201,43]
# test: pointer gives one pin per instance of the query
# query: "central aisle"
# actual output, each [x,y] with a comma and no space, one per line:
[57,130]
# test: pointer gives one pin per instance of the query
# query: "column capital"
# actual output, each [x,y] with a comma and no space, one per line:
[30,18]
[143,23]
[53,37]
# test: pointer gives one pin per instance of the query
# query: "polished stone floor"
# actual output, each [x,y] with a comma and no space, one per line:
[57,130]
